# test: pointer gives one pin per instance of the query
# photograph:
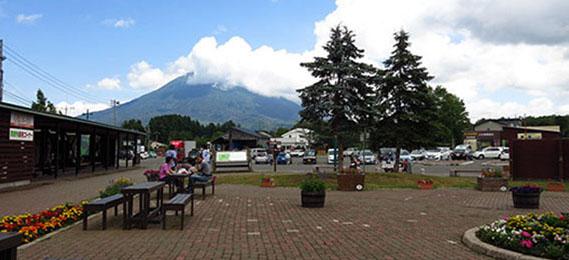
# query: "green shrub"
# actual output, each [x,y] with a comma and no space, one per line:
[115,187]
[312,184]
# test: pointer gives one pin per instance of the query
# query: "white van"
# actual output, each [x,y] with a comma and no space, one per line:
[331,155]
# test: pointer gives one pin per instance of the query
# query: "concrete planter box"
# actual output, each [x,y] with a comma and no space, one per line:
[492,184]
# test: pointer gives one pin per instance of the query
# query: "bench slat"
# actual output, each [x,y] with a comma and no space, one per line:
[179,199]
[107,200]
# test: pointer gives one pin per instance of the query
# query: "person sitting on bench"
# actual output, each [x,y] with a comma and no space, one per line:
[202,172]
[165,169]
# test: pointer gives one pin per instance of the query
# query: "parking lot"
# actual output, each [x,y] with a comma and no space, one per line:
[437,168]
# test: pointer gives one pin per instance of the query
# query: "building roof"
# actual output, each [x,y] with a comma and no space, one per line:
[552,128]
[503,122]
[66,118]
[247,131]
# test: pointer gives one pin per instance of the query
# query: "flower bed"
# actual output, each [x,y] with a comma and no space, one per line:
[33,226]
[544,235]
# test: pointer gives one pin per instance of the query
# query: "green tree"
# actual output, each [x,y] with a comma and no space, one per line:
[42,104]
[341,96]
[280,131]
[405,102]
[452,117]
[134,125]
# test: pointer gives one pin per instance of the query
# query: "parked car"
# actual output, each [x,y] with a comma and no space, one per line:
[126,154]
[284,158]
[488,152]
[366,157]
[297,153]
[418,155]
[387,154]
[331,156]
[309,157]
[262,157]
[439,153]
[144,155]
[505,155]
[350,151]
[405,156]
[152,154]
[461,153]
[255,151]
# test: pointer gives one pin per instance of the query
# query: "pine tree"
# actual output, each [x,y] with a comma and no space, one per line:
[404,99]
[342,95]
[42,104]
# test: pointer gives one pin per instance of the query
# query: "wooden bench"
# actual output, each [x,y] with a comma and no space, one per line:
[203,185]
[178,203]
[103,205]
[455,172]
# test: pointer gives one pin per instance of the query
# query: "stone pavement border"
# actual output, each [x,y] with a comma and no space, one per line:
[471,241]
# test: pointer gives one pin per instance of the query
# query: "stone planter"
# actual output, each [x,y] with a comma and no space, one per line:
[425,186]
[492,184]
[555,187]
[525,200]
[267,184]
[350,182]
[313,199]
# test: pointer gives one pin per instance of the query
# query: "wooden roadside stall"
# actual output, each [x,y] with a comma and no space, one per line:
[34,144]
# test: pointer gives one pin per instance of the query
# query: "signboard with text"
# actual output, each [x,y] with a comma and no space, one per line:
[21,120]
[529,136]
[17,134]
[231,156]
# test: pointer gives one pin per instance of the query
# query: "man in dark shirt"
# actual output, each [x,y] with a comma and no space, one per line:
[202,172]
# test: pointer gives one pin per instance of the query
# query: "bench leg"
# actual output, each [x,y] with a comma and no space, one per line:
[104,219]
[192,211]
[182,217]
[163,218]
[116,210]
[85,217]
[213,188]
[176,213]
[203,192]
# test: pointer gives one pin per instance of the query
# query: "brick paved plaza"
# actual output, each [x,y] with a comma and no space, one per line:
[245,222]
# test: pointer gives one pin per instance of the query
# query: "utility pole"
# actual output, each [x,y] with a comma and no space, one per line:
[70,108]
[87,114]
[2,58]
[114,104]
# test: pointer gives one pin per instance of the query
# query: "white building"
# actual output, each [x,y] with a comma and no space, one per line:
[295,138]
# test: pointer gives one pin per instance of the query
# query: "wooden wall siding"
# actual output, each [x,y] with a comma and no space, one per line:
[16,157]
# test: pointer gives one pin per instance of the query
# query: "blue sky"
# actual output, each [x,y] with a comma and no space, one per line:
[502,59]
[79,44]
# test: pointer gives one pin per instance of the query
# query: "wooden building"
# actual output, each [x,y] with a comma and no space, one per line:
[238,138]
[34,143]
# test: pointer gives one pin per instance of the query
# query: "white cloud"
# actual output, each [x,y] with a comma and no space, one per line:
[119,23]
[220,29]
[107,83]
[28,19]
[79,107]
[143,76]
[473,48]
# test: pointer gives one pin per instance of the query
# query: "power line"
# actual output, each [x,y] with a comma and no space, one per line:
[28,66]
[17,98]
[16,90]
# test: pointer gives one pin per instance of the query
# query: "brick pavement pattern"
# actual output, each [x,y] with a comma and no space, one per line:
[245,222]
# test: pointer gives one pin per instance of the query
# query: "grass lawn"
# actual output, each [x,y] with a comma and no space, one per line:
[374,181]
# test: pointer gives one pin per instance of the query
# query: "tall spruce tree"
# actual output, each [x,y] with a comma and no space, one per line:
[42,104]
[404,99]
[341,96]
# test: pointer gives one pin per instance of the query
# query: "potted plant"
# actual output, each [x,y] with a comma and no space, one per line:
[115,187]
[268,182]
[425,184]
[151,175]
[350,180]
[555,186]
[492,179]
[526,197]
[313,192]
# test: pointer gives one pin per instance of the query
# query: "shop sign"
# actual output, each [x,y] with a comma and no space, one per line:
[21,120]
[21,134]
[231,156]
[486,134]
[474,134]
[529,136]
